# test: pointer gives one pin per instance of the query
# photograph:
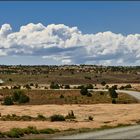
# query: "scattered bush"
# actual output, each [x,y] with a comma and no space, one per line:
[20,97]
[80,87]
[36,85]
[54,86]
[67,86]
[88,77]
[16,95]
[25,118]
[20,132]
[84,91]
[15,133]
[27,86]
[103,83]
[90,118]
[101,93]
[89,86]
[61,96]
[8,101]
[89,94]
[31,130]
[114,87]
[107,86]
[122,87]
[128,86]
[31,84]
[15,117]
[23,98]
[16,87]
[57,118]
[10,80]
[114,101]
[41,117]
[47,131]
[113,93]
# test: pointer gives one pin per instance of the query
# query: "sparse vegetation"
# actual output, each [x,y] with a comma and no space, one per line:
[90,118]
[103,83]
[89,86]
[57,118]
[113,93]
[70,115]
[15,117]
[67,86]
[8,101]
[61,96]
[84,91]
[54,86]
[17,97]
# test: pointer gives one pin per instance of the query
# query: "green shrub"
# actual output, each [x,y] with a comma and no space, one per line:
[89,94]
[128,86]
[122,87]
[84,91]
[8,101]
[89,86]
[16,87]
[107,86]
[27,86]
[10,80]
[80,87]
[114,101]
[113,93]
[31,129]
[23,98]
[26,118]
[15,133]
[88,77]
[57,118]
[54,86]
[114,87]
[103,83]
[61,96]
[67,86]
[101,93]
[16,95]
[31,84]
[41,117]
[90,118]
[1,135]
[47,131]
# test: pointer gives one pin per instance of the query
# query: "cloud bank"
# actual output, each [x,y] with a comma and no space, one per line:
[69,45]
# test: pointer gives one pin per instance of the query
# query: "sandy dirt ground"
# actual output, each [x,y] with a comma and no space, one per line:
[104,114]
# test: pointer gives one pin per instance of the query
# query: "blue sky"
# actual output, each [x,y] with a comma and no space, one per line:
[89,17]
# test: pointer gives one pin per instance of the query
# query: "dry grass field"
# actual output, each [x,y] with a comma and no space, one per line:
[68,78]
[39,97]
[103,114]
[48,102]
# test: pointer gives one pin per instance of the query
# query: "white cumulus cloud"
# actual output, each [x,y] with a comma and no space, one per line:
[69,45]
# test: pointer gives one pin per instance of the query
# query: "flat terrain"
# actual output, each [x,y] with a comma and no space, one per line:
[103,114]
[39,97]
[68,78]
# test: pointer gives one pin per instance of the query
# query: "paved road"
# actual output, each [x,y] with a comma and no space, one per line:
[130,132]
